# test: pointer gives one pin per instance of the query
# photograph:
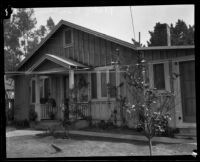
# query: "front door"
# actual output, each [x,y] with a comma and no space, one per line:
[187,85]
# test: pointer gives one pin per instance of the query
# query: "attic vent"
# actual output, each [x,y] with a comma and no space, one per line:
[67,38]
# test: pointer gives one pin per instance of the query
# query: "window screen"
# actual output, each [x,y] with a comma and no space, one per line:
[159,78]
[68,37]
[33,91]
[94,85]
[112,80]
[103,85]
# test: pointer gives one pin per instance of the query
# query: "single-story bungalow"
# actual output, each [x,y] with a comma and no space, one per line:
[74,58]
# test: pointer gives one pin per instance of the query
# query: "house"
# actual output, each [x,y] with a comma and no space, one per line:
[73,58]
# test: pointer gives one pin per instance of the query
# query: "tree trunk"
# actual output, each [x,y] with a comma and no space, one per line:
[150,146]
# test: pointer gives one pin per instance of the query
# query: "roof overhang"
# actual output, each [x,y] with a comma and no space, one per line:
[63,66]
[75,26]
[165,47]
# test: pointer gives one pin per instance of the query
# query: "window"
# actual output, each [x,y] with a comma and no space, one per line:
[33,91]
[46,88]
[67,38]
[112,81]
[99,81]
[159,76]
[103,85]
[94,85]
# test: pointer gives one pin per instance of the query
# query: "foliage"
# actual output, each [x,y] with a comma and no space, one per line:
[10,114]
[153,114]
[50,24]
[21,36]
[52,115]
[21,123]
[52,102]
[32,115]
[43,100]
[181,34]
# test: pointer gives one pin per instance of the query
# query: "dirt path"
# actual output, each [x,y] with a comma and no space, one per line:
[34,146]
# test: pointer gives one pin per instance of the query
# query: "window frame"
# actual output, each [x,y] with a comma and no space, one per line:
[70,44]
[31,89]
[98,72]
[166,74]
[43,85]
[162,64]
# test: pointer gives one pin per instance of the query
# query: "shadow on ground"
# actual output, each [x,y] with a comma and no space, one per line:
[92,138]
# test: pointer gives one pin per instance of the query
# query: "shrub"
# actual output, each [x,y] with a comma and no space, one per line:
[32,115]
[21,123]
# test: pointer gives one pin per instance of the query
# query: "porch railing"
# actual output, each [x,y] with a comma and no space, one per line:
[47,110]
[80,110]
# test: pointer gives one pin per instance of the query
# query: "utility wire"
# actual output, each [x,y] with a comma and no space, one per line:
[132,22]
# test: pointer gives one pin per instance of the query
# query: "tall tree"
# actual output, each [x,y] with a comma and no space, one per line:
[21,36]
[50,24]
[12,50]
[181,34]
[25,22]
[158,37]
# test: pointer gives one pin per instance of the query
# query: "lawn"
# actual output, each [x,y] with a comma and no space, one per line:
[76,146]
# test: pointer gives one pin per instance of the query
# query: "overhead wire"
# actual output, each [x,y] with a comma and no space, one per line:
[132,22]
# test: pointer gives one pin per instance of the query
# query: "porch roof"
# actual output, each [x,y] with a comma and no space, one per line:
[58,65]
[63,63]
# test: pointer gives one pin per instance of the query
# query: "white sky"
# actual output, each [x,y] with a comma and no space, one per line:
[116,21]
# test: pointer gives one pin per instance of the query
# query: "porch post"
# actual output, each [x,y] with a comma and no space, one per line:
[71,79]
[37,98]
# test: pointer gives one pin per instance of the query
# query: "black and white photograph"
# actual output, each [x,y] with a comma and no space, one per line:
[100,81]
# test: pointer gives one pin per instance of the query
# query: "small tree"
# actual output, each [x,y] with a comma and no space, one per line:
[153,113]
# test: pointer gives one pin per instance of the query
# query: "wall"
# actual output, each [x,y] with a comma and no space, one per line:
[21,105]
[87,49]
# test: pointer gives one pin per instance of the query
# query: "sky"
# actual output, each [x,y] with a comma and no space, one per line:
[116,21]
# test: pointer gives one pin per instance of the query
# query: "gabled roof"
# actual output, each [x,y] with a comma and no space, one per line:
[62,22]
[66,63]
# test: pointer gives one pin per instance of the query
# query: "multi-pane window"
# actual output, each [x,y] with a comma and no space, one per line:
[159,76]
[99,87]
